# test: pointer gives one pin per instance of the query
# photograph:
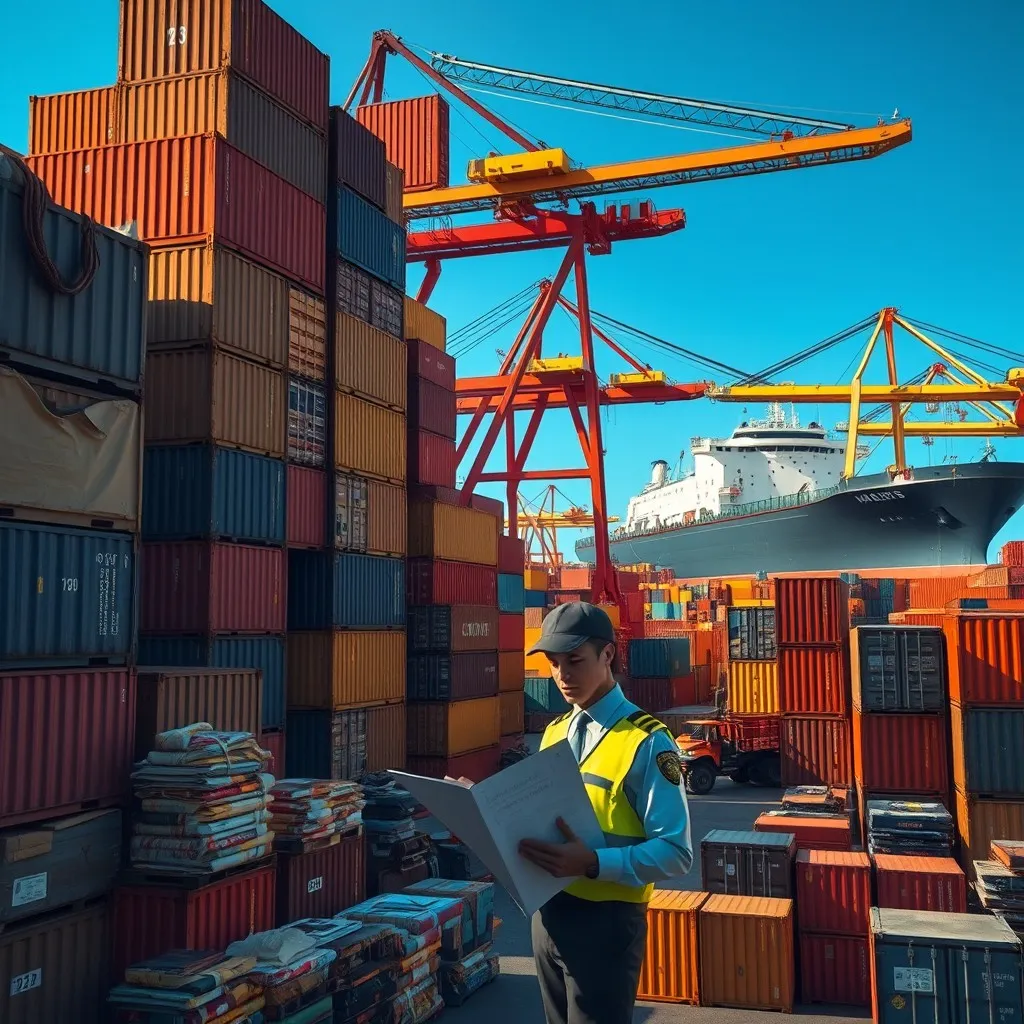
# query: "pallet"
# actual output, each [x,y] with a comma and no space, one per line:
[153,876]
[78,520]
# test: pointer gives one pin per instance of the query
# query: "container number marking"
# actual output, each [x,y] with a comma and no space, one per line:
[29,889]
[70,584]
[176,35]
[22,983]
[315,884]
[913,979]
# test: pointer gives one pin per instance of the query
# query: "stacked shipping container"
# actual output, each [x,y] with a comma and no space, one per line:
[511,640]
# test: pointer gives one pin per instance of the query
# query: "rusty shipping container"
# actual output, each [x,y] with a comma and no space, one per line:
[387,519]
[986,659]
[202,587]
[415,133]
[833,891]
[307,335]
[452,532]
[66,741]
[812,610]
[451,677]
[345,668]
[324,882]
[307,423]
[747,863]
[898,668]
[346,744]
[171,698]
[747,953]
[274,744]
[57,967]
[476,766]
[351,511]
[920,883]
[306,504]
[387,308]
[161,40]
[452,628]
[423,324]
[369,363]
[394,188]
[813,680]
[431,459]
[979,821]
[901,753]
[670,972]
[152,919]
[753,688]
[431,407]
[358,158]
[435,581]
[511,670]
[513,713]
[816,752]
[353,291]
[83,119]
[206,293]
[986,750]
[157,191]
[195,395]
[444,730]
[835,969]
[368,438]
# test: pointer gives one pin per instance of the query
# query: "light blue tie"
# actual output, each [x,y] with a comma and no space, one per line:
[579,735]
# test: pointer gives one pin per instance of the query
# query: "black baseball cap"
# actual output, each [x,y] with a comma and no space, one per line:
[570,626]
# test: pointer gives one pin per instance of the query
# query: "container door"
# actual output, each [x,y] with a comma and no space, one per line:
[924,670]
[987,985]
[912,983]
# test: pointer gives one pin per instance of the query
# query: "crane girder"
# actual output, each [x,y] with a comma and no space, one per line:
[555,388]
[870,394]
[977,428]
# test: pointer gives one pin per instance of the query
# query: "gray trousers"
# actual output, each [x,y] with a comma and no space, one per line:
[588,958]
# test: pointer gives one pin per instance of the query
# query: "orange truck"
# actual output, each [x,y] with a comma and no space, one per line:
[745,750]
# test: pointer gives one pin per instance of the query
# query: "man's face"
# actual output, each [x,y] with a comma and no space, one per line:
[581,673]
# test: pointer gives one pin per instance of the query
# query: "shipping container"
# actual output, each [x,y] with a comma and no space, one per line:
[1012,553]
[747,863]
[833,892]
[351,512]
[432,365]
[209,294]
[75,462]
[203,587]
[322,882]
[345,590]
[94,336]
[197,395]
[936,591]
[150,919]
[816,752]
[415,133]
[659,658]
[435,581]
[368,438]
[811,610]
[835,969]
[264,653]
[980,821]
[203,491]
[358,158]
[753,688]
[986,659]
[511,593]
[387,519]
[901,753]
[394,189]
[511,671]
[752,634]
[364,236]
[511,633]
[354,291]
[158,40]
[387,308]
[67,596]
[513,713]
[423,324]
[511,556]
[307,423]
[475,766]
[307,335]
[450,677]
[444,730]
[811,831]
[346,744]
[746,953]
[920,883]
[57,967]
[306,504]
[341,668]
[652,695]
[274,744]
[452,532]
[369,362]
[543,696]
[75,120]
[431,408]
[813,680]
[431,459]
[284,230]
[986,750]
[898,668]
[670,973]
[452,628]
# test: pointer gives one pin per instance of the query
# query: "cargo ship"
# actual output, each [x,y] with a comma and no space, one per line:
[771,498]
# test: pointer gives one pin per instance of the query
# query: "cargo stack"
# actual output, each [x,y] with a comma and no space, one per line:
[657,669]
[753,687]
[511,640]
[542,700]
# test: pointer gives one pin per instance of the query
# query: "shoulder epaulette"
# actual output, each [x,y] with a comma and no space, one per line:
[646,722]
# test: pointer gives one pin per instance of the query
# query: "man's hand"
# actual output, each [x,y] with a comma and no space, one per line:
[461,780]
[570,859]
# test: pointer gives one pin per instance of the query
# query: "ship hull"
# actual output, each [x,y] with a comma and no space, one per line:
[946,516]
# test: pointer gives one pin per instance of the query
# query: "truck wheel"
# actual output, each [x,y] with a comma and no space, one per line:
[741,776]
[700,780]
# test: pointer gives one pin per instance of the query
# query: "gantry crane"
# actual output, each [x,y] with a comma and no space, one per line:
[541,523]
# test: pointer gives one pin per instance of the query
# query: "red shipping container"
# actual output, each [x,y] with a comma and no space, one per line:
[816,752]
[835,969]
[1012,553]
[430,581]
[431,407]
[986,658]
[576,579]
[194,188]
[452,677]
[833,892]
[814,832]
[511,555]
[814,680]
[151,919]
[306,504]
[431,364]
[937,591]
[899,753]
[207,587]
[571,597]
[475,766]
[651,695]
[492,506]
[323,882]
[672,627]
[629,583]
[920,883]
[67,737]
[432,460]
[812,610]
[416,135]
[274,742]
[511,633]
[454,628]
[684,690]
[635,609]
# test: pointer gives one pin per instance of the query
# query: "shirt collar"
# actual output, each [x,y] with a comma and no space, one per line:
[607,711]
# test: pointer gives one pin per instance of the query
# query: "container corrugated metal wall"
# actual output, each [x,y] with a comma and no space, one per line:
[415,132]
[476,765]
[986,659]
[306,507]
[511,632]
[430,581]
[431,364]
[753,687]
[345,590]
[387,519]
[901,753]
[66,595]
[431,459]
[659,658]
[367,238]
[394,190]
[511,593]
[670,972]
[835,969]
[986,750]
[351,511]
[431,407]
[452,532]
[452,677]
[74,120]
[899,668]
[354,291]
[511,670]
[387,308]
[95,336]
[423,324]
[752,634]
[307,423]
[369,362]
[833,891]
[307,335]
[345,744]
[813,680]
[443,730]
[980,821]
[816,752]
[324,882]
[343,668]
[812,610]
[452,628]
[513,713]
[920,883]
[368,438]
[205,491]
[358,158]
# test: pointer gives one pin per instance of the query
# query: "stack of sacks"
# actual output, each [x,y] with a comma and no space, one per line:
[388,811]
[461,979]
[909,827]
[188,985]
[308,809]
[1000,882]
[204,796]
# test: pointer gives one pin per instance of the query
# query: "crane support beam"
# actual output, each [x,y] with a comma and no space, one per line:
[870,394]
[474,392]
[1002,428]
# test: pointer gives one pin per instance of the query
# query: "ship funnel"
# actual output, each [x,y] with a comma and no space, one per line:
[659,473]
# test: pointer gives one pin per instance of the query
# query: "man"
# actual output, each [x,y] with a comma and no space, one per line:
[589,941]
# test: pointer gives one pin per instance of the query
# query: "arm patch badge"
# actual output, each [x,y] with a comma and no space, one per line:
[668,764]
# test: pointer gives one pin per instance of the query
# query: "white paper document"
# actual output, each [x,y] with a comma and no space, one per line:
[520,802]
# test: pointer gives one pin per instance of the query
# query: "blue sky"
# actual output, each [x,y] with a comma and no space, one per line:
[767,265]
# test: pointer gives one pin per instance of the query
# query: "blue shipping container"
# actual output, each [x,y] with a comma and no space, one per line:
[667,611]
[95,336]
[511,593]
[543,696]
[202,491]
[342,590]
[659,658]
[325,744]
[66,595]
[991,743]
[266,653]
[535,598]
[367,238]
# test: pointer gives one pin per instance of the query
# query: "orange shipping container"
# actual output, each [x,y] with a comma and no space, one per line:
[73,120]
[368,439]
[369,363]
[937,591]
[816,752]
[986,658]
[201,395]
[415,133]
[208,293]
[533,618]
[670,973]
[307,335]
[746,953]
[452,532]
[513,712]
[423,324]
[385,737]
[920,883]
[511,671]
[445,730]
[814,680]
[387,518]
[979,821]
[340,669]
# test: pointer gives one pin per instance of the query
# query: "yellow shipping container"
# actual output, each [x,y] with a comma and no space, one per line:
[339,669]
[307,335]
[753,687]
[452,532]
[535,664]
[513,711]
[685,596]
[387,526]
[752,602]
[368,439]
[369,363]
[423,324]
[741,588]
[446,730]
[535,579]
